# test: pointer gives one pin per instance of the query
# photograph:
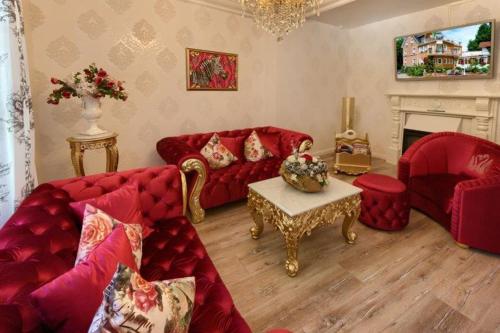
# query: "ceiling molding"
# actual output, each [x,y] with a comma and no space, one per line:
[234,6]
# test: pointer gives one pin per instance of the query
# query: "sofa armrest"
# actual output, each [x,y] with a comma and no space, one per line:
[195,187]
[291,139]
[175,151]
[162,189]
[475,216]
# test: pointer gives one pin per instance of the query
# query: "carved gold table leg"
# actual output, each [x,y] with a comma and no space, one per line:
[292,250]
[111,158]
[77,160]
[258,228]
[349,219]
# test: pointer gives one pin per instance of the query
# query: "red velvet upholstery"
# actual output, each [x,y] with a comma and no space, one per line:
[436,170]
[40,240]
[230,183]
[384,202]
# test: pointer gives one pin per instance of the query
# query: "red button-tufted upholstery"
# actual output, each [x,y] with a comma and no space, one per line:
[40,240]
[230,183]
[441,183]
[384,202]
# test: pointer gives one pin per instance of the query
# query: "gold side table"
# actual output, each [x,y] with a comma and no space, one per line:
[79,145]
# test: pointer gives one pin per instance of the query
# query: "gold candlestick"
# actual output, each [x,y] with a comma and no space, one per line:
[347,113]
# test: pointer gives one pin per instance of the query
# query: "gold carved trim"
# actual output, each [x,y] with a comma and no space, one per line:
[294,228]
[184,193]
[197,212]
[305,145]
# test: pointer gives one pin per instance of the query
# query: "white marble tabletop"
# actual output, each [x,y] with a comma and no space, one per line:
[294,202]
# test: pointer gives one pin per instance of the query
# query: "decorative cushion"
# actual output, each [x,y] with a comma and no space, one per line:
[217,155]
[484,162]
[131,304]
[254,149]
[235,145]
[271,141]
[124,204]
[69,302]
[97,225]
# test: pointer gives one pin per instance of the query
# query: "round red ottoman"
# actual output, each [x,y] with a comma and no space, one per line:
[384,202]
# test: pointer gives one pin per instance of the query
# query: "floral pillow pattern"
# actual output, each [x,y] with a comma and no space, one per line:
[254,149]
[132,304]
[97,225]
[217,155]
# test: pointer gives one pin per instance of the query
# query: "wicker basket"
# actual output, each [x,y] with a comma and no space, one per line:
[301,183]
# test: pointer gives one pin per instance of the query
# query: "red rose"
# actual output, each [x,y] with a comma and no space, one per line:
[54,80]
[98,80]
[102,73]
[66,94]
[111,84]
[308,157]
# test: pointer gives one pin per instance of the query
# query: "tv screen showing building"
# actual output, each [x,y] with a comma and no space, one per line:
[456,53]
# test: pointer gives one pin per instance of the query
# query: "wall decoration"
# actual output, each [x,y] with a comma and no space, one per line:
[462,52]
[210,70]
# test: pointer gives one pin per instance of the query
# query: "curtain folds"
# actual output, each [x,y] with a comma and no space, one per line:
[17,168]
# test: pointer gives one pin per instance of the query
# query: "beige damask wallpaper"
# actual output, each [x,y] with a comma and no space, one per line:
[143,43]
[371,61]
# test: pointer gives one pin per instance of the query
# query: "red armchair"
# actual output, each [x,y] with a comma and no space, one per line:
[40,240]
[210,188]
[455,179]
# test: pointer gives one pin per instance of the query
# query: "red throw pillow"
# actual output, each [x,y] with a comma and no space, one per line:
[271,141]
[484,162]
[235,146]
[69,302]
[124,204]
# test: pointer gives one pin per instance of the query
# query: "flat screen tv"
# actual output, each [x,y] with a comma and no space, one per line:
[462,52]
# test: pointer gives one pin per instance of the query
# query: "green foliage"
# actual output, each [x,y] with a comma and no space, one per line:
[429,64]
[483,35]
[417,70]
[439,69]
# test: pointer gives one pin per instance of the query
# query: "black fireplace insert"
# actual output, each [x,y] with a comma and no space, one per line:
[410,136]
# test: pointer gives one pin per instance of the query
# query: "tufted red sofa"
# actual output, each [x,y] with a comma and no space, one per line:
[39,243]
[441,183]
[211,188]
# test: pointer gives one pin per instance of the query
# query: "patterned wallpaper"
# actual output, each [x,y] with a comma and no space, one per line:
[143,43]
[371,61]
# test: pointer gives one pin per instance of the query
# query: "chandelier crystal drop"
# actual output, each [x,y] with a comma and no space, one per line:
[279,17]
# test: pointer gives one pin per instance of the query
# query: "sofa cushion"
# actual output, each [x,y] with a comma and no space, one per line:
[132,304]
[37,244]
[68,303]
[216,154]
[124,204]
[235,146]
[271,141]
[484,162]
[254,149]
[231,183]
[438,188]
[174,250]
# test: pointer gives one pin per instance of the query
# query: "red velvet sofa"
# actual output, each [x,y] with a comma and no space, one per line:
[455,179]
[211,188]
[39,242]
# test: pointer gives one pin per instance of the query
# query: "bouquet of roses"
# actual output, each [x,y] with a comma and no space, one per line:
[93,82]
[304,164]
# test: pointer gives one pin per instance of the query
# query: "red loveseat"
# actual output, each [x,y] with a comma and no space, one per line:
[455,179]
[211,188]
[39,243]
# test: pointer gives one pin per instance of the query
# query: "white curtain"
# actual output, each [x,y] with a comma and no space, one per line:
[17,169]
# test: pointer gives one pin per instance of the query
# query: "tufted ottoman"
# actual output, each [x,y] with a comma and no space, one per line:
[384,202]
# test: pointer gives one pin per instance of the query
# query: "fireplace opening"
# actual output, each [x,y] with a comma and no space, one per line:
[410,136]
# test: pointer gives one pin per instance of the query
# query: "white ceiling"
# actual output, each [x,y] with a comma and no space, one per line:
[361,12]
[347,13]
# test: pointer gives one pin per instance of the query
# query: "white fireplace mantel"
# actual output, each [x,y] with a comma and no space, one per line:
[477,113]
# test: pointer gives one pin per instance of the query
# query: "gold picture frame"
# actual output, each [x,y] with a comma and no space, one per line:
[489,75]
[225,73]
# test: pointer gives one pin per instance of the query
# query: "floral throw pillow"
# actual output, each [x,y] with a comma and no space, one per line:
[217,155]
[132,304]
[254,149]
[97,225]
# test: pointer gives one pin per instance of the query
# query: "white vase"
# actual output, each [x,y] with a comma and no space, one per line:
[92,113]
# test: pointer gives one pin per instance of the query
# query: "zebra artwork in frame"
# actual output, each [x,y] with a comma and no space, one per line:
[211,70]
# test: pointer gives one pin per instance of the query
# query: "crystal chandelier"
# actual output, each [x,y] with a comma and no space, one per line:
[279,17]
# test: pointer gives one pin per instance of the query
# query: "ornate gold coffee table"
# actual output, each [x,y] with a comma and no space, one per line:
[295,213]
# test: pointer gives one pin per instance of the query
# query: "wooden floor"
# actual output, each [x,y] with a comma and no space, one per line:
[415,280]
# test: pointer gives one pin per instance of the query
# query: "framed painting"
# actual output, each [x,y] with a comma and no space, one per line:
[211,70]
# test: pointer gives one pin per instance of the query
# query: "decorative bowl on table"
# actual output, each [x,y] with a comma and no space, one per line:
[305,172]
